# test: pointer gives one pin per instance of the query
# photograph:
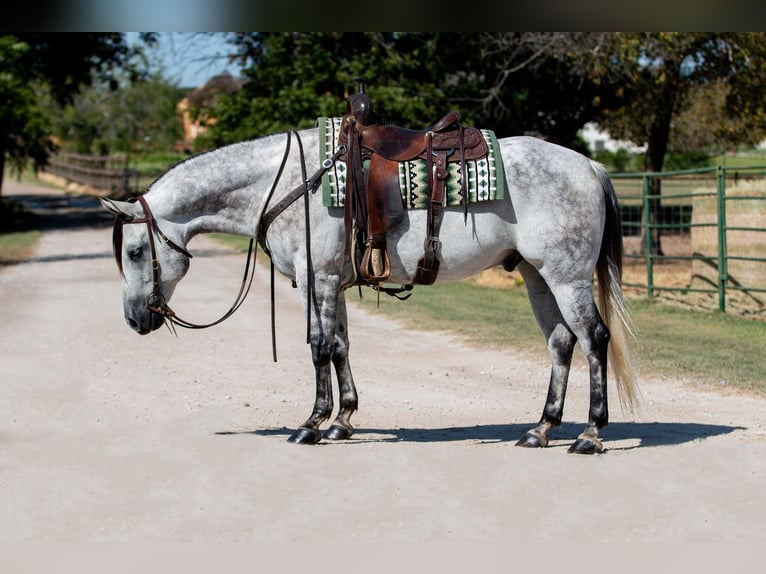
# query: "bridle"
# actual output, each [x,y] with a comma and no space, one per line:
[156,302]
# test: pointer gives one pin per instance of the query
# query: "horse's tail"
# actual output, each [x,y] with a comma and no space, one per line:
[612,305]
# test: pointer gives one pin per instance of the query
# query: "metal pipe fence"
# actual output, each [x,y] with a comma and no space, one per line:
[700,239]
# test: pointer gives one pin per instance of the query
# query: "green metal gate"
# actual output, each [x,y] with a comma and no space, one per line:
[704,239]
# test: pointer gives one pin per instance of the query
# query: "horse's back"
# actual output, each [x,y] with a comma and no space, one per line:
[543,169]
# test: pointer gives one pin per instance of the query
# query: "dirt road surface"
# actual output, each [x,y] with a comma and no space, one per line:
[109,436]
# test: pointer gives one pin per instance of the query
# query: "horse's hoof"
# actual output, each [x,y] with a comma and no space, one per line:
[586,446]
[338,432]
[532,440]
[305,436]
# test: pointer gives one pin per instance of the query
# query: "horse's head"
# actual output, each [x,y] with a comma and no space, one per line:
[150,262]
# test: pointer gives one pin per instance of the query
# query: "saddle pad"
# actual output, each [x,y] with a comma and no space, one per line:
[486,177]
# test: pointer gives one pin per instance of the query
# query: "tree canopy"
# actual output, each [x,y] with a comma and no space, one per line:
[37,69]
[670,91]
[140,116]
[659,89]
[293,78]
[642,87]
[709,79]
[512,83]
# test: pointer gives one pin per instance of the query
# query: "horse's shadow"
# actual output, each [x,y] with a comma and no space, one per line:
[647,434]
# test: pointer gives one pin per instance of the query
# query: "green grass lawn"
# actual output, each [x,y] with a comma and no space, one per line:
[712,347]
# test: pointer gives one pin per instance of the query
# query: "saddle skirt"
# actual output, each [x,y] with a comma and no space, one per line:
[486,178]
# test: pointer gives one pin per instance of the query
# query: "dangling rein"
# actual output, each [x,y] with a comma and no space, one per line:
[269,216]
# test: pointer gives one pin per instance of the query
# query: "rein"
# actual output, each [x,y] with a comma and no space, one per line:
[156,302]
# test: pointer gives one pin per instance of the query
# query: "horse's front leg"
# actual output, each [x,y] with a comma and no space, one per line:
[323,312]
[341,428]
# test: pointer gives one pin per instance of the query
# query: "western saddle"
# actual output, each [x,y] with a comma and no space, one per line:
[374,203]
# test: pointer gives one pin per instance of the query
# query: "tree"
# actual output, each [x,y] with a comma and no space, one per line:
[547,84]
[669,91]
[296,77]
[665,74]
[38,68]
[512,83]
[641,87]
[139,116]
[24,124]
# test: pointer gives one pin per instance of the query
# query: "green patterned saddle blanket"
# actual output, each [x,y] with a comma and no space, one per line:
[486,178]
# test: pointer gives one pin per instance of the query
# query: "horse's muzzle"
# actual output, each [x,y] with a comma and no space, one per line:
[151,322]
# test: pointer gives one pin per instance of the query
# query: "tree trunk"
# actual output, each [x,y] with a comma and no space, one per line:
[2,162]
[657,146]
[653,163]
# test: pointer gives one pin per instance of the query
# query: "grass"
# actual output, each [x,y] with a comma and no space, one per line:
[18,228]
[714,348]
[233,241]
[756,158]
[489,317]
[18,236]
[150,166]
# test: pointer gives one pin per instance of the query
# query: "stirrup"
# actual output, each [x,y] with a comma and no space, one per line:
[376,266]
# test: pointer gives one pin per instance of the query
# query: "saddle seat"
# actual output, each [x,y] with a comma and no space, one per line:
[402,144]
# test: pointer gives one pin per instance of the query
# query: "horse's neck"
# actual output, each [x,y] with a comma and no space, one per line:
[221,191]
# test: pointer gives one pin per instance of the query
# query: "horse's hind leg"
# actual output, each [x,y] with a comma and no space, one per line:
[583,319]
[341,427]
[561,342]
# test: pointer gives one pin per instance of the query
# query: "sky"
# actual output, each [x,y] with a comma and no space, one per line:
[191,59]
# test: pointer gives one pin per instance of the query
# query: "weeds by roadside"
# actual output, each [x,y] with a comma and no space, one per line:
[18,232]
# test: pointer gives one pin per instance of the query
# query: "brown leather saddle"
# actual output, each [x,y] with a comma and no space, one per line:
[373,196]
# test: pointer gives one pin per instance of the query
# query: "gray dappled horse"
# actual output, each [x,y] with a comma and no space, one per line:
[557,222]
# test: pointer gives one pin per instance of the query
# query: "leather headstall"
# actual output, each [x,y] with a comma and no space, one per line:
[156,302]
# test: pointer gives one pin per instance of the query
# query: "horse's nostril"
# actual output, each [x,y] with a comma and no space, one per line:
[133,324]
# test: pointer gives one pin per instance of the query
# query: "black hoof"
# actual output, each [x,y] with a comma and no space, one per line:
[531,440]
[585,446]
[338,432]
[305,436]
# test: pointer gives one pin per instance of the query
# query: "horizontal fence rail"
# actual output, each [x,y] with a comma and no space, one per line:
[698,236]
[110,173]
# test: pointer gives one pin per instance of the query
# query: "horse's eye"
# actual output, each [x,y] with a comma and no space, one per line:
[135,254]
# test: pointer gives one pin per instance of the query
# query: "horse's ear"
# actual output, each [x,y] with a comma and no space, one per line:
[121,209]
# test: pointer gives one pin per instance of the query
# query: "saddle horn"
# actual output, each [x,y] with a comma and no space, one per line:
[360,105]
